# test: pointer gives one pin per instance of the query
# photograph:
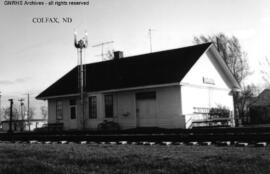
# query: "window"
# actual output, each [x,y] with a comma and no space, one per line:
[59,110]
[108,106]
[72,106]
[93,107]
[146,95]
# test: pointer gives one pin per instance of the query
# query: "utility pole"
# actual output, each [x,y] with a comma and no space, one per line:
[80,45]
[22,123]
[28,105]
[21,104]
[102,47]
[28,111]
[10,115]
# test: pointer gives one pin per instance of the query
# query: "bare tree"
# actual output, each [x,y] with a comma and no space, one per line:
[6,113]
[109,55]
[245,99]
[265,72]
[1,114]
[44,112]
[17,124]
[230,50]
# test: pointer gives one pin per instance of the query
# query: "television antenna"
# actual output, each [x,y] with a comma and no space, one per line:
[150,38]
[102,47]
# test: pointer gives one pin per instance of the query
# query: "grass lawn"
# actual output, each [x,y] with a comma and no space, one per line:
[75,158]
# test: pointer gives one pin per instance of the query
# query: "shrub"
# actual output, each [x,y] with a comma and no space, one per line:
[260,115]
[108,126]
[219,112]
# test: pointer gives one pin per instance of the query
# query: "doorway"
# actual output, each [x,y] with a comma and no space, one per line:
[146,109]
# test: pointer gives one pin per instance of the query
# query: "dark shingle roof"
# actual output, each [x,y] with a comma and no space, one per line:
[149,69]
[263,99]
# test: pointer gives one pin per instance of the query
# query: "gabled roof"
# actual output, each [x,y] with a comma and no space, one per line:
[157,68]
[263,99]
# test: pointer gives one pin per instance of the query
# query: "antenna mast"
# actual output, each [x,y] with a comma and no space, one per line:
[150,38]
[80,45]
[102,47]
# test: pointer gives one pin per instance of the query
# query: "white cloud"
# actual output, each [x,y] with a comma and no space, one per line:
[16,81]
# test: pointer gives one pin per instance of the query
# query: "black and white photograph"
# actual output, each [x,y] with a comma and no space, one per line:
[134,86]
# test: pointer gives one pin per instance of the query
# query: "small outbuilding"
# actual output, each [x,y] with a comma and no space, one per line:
[166,89]
[260,109]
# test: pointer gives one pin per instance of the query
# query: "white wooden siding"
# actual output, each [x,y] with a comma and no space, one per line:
[195,93]
[169,108]
[204,68]
[51,111]
[125,110]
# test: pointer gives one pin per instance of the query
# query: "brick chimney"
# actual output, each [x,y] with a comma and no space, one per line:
[117,55]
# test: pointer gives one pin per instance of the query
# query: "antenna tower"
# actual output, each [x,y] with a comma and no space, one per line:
[80,45]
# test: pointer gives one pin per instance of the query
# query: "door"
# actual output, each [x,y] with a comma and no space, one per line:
[146,110]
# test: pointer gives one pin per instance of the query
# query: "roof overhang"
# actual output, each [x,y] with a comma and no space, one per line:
[223,68]
[111,91]
[58,96]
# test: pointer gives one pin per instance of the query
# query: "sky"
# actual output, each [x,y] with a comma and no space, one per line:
[33,56]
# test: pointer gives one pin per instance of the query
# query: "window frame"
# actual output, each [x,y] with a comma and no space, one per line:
[92,107]
[59,110]
[72,105]
[108,107]
[147,95]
